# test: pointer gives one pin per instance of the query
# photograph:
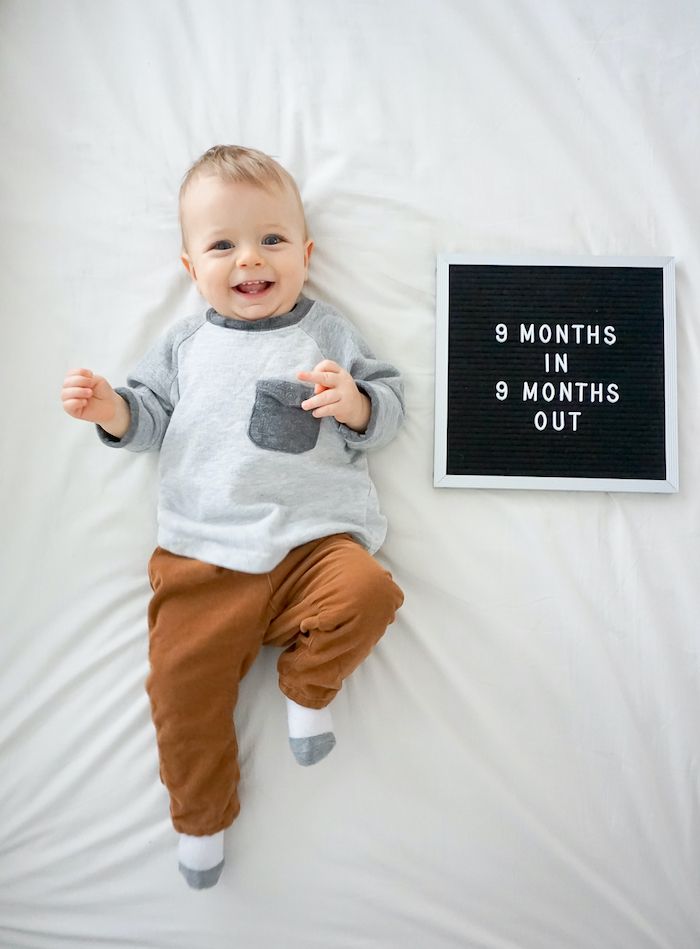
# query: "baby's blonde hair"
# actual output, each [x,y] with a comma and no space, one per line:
[236,163]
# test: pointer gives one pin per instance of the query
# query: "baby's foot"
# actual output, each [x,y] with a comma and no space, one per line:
[311,735]
[201,859]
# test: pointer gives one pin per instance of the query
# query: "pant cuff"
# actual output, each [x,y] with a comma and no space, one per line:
[203,828]
[296,696]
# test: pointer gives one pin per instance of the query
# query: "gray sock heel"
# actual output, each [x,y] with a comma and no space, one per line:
[201,879]
[312,750]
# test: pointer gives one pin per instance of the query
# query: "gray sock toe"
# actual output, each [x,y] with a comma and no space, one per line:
[202,879]
[311,750]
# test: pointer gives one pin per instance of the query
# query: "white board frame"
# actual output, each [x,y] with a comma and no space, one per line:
[440,477]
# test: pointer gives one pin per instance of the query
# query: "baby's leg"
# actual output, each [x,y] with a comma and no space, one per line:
[332,603]
[206,627]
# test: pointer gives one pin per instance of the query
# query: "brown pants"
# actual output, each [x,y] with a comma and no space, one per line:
[326,605]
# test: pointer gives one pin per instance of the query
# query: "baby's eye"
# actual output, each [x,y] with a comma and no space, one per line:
[222,245]
[272,239]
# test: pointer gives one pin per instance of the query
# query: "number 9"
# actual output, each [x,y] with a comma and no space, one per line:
[501,333]
[501,391]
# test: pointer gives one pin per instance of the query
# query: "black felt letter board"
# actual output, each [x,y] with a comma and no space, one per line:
[556,374]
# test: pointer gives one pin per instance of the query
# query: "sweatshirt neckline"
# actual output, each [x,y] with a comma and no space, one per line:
[297,313]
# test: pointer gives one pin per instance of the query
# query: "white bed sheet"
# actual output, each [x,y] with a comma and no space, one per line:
[517,764]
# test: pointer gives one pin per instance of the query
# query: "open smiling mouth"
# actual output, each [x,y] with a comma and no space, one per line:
[253,288]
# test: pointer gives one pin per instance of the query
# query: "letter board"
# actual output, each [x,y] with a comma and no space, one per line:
[556,373]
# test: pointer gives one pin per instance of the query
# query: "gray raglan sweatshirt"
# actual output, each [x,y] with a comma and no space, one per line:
[246,474]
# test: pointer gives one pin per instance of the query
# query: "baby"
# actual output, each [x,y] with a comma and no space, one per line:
[263,407]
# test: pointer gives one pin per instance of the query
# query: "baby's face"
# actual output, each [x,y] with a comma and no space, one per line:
[245,247]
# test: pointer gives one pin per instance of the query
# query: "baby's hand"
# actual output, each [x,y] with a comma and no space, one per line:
[336,394]
[89,397]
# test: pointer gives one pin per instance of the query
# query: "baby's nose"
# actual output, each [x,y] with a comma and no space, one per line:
[249,256]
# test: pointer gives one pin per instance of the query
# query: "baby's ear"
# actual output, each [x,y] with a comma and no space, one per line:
[189,266]
[308,249]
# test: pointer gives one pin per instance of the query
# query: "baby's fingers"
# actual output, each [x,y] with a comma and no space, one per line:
[75,407]
[322,380]
[82,374]
[78,378]
[75,392]
[323,399]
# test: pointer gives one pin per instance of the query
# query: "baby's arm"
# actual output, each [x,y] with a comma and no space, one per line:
[92,399]
[363,394]
[137,415]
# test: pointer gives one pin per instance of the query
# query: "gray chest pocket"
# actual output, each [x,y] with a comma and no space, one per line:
[278,423]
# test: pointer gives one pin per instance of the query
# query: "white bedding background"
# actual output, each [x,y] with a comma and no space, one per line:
[517,763]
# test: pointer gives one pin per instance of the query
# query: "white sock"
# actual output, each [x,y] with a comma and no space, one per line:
[201,853]
[311,735]
[308,722]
